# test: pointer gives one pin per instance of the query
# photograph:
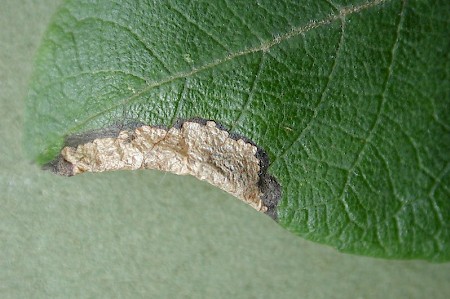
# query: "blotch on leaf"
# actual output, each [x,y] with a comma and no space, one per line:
[196,147]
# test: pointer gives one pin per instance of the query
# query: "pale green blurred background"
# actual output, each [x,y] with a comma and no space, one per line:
[153,235]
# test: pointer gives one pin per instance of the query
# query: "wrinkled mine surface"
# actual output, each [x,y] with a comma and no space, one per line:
[202,150]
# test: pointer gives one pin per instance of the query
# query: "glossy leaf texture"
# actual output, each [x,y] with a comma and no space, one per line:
[350,99]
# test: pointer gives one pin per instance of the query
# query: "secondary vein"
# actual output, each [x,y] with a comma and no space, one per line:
[262,47]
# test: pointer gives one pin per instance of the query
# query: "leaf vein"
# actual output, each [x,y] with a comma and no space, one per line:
[379,112]
[233,12]
[190,21]
[83,73]
[262,47]
[251,92]
[321,99]
[179,102]
[135,35]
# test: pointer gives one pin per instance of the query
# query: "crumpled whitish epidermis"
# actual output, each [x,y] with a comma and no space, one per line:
[204,151]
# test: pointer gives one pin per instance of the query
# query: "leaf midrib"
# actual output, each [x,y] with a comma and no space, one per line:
[265,47]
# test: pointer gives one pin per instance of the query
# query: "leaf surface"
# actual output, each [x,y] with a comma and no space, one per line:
[350,99]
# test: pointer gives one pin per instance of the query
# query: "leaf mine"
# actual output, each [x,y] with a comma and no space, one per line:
[197,147]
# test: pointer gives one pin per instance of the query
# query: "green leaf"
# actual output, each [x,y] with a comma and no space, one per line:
[350,100]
